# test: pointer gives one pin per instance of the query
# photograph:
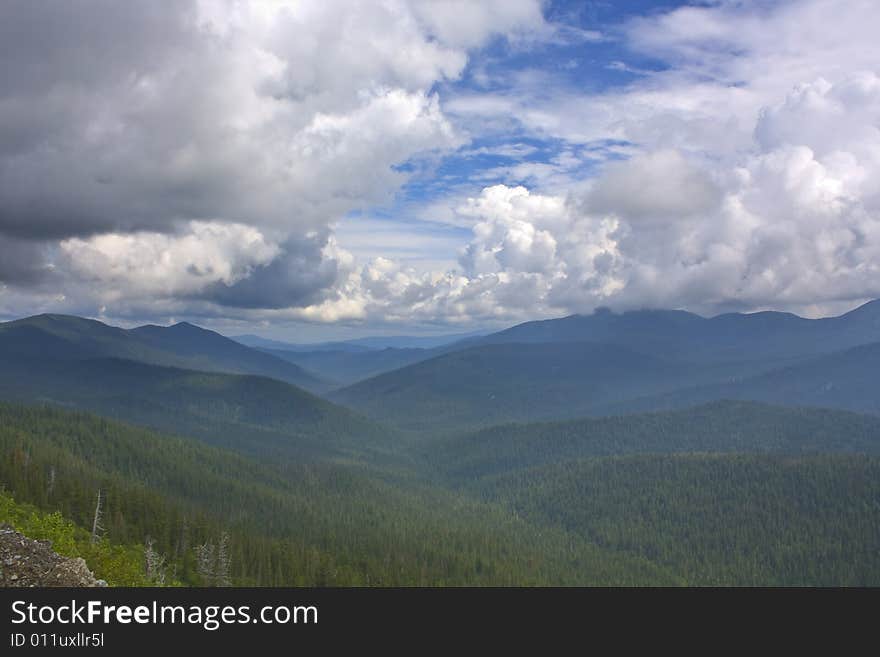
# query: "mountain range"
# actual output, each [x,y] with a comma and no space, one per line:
[609,363]
[65,337]
[599,364]
[646,447]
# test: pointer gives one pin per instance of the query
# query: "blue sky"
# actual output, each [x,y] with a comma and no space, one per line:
[313,169]
[588,56]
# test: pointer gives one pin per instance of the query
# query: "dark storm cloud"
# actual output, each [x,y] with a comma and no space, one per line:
[23,261]
[88,43]
[298,277]
[68,67]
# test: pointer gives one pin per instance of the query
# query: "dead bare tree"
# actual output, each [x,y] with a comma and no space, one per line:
[213,562]
[97,528]
[154,563]
[205,562]
[50,483]
[221,568]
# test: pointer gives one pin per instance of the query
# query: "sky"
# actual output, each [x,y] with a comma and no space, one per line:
[322,169]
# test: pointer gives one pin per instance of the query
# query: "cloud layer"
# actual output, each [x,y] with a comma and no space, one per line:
[202,149]
[193,159]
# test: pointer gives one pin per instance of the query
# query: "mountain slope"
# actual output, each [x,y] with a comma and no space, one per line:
[288,524]
[641,360]
[254,415]
[845,380]
[723,426]
[267,345]
[490,384]
[201,349]
[732,336]
[347,367]
[356,345]
[716,520]
[182,345]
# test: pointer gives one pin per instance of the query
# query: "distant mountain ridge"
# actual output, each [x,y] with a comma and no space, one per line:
[377,342]
[347,367]
[598,364]
[184,345]
[608,363]
[762,338]
[844,379]
[685,334]
[347,362]
[495,383]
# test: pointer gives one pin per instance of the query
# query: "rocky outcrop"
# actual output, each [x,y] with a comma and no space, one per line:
[26,562]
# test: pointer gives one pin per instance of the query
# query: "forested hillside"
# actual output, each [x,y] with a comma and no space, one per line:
[844,379]
[486,385]
[724,426]
[250,414]
[728,520]
[317,524]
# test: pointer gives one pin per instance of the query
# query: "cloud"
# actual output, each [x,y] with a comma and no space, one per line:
[660,185]
[157,264]
[303,272]
[466,24]
[23,261]
[200,152]
[197,159]
[794,222]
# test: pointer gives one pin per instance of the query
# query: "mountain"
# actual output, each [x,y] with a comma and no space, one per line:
[347,367]
[500,382]
[845,379]
[264,343]
[642,327]
[413,341]
[610,363]
[357,345]
[726,346]
[344,363]
[718,427]
[285,524]
[254,415]
[733,336]
[182,345]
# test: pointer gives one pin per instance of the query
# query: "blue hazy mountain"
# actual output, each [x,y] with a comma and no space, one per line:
[183,345]
[257,342]
[345,367]
[689,336]
[355,345]
[493,383]
[347,362]
[845,379]
[609,362]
